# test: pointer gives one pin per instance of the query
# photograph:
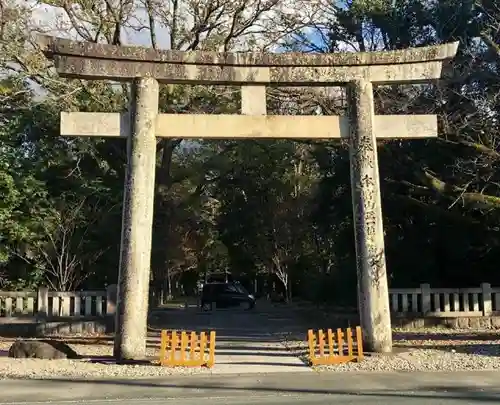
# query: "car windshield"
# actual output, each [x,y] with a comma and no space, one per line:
[240,289]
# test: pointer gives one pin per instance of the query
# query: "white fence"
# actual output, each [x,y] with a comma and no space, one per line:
[445,302]
[427,301]
[46,303]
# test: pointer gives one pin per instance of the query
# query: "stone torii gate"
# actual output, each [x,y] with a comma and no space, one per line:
[146,68]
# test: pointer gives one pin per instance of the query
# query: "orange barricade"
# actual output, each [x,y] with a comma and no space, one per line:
[330,348]
[183,349]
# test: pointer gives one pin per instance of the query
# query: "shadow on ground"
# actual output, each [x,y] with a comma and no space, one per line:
[491,350]
[427,392]
[466,343]
[243,338]
[415,335]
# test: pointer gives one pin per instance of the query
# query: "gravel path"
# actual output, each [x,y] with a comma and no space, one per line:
[34,368]
[429,350]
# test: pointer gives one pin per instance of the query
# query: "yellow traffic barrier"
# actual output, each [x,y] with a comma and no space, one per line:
[330,348]
[183,349]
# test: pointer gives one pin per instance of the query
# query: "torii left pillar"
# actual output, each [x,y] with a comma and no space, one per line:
[137,223]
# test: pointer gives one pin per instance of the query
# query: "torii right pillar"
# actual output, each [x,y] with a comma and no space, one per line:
[373,294]
[364,129]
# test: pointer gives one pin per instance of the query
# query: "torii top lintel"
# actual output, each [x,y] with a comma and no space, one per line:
[124,63]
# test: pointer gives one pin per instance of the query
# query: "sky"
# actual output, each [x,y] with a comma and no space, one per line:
[54,21]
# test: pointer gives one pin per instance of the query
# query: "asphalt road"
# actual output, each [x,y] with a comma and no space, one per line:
[403,399]
[287,388]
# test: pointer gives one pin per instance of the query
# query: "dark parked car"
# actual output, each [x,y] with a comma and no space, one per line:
[225,295]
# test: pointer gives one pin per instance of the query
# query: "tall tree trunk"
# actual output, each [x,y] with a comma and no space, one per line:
[162,220]
[169,284]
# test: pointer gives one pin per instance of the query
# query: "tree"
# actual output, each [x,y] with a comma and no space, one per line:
[64,255]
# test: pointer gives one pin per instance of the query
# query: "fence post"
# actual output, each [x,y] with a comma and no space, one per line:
[426,298]
[486,298]
[111,296]
[43,302]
